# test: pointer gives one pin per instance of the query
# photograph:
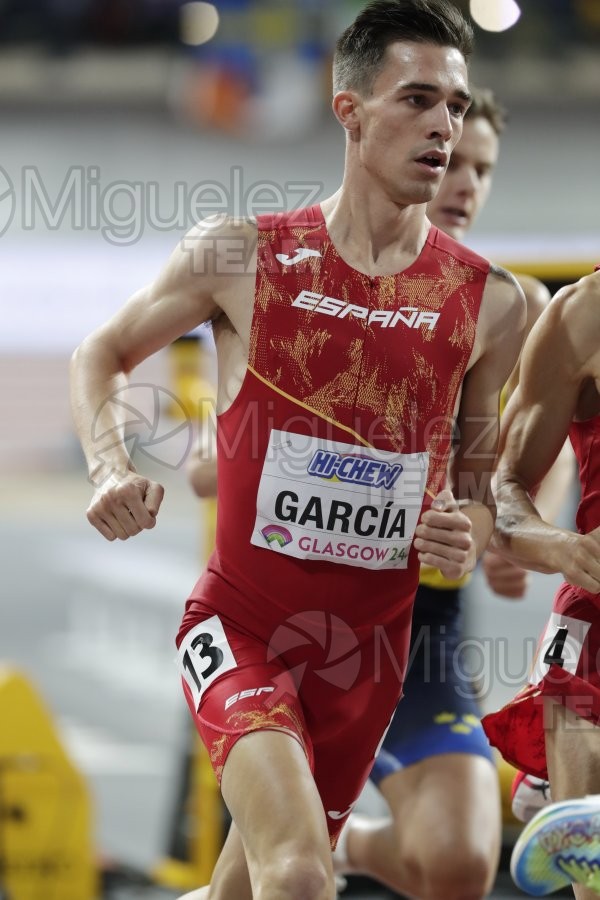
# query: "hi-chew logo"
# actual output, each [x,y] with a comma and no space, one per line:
[276,534]
[354,468]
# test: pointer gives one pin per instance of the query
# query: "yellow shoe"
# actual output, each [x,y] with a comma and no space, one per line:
[559,846]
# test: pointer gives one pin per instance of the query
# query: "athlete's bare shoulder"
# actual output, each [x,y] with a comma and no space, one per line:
[504,287]
[503,304]
[503,276]
[575,314]
[502,315]
[222,245]
[537,297]
[215,260]
[568,332]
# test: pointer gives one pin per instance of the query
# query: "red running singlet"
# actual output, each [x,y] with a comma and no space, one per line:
[339,436]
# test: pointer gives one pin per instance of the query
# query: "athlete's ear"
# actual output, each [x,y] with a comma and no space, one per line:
[345,106]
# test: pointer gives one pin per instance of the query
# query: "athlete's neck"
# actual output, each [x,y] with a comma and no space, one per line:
[375,235]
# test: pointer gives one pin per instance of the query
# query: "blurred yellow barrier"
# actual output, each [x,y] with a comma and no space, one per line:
[46,845]
[506,774]
[201,807]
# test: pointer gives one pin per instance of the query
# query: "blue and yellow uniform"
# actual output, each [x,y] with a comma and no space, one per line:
[439,712]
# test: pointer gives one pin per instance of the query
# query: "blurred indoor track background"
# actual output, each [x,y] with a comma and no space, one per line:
[123,121]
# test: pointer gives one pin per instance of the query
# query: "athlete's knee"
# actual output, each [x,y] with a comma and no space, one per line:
[465,873]
[296,875]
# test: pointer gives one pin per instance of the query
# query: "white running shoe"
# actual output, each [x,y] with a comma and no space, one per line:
[341,864]
[529,794]
[559,846]
[340,884]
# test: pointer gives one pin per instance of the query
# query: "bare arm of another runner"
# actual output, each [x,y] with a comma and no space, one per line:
[504,577]
[559,361]
[202,464]
[455,531]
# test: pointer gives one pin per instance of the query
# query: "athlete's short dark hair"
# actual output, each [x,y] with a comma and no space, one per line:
[485,106]
[360,49]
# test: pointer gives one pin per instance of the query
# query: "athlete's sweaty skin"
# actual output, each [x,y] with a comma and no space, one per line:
[436,769]
[553,723]
[400,130]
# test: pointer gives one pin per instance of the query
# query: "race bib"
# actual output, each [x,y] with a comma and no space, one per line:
[203,655]
[561,645]
[339,502]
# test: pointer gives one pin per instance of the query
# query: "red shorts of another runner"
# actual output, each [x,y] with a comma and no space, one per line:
[566,669]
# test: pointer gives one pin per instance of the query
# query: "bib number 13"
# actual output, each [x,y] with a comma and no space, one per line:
[561,645]
[204,655]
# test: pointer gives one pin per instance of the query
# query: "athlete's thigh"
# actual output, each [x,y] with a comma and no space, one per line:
[438,713]
[230,877]
[251,719]
[232,690]
[347,740]
[271,793]
[343,764]
[446,805]
[568,655]
[567,672]
[572,752]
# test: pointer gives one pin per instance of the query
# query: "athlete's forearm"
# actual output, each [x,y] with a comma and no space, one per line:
[202,475]
[555,487]
[482,521]
[523,536]
[97,375]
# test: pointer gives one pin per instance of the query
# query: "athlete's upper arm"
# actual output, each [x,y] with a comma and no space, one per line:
[555,359]
[537,298]
[187,292]
[501,322]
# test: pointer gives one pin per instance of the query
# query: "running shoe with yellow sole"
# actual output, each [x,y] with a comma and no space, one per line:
[559,846]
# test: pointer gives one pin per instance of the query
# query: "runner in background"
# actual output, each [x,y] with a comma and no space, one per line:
[435,759]
[435,768]
[551,727]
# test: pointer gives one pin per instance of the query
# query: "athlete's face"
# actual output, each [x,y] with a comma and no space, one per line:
[410,121]
[467,182]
